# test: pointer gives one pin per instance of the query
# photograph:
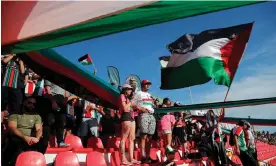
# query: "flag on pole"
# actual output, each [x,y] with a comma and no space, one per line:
[198,58]
[85,60]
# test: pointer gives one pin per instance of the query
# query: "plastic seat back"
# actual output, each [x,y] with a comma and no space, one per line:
[74,141]
[95,158]
[115,159]
[31,158]
[66,159]
[95,143]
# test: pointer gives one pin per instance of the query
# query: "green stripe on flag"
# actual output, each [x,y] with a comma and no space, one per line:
[155,13]
[195,72]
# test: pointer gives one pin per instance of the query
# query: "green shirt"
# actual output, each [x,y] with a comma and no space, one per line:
[241,138]
[26,123]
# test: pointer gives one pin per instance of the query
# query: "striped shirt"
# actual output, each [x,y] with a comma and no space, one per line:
[144,99]
[12,72]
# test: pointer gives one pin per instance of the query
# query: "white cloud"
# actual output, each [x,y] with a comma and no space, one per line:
[261,49]
[259,83]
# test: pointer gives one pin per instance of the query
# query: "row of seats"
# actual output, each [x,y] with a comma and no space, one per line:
[68,158]
[94,144]
[266,156]
[94,158]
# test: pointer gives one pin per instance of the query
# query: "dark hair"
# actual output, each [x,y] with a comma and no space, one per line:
[165,100]
[241,123]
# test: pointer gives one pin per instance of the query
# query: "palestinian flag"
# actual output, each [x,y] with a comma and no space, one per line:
[39,87]
[198,58]
[29,88]
[85,60]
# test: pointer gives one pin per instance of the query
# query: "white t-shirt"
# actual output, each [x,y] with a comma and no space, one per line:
[144,99]
[251,139]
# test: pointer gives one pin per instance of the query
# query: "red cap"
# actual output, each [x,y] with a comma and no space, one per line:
[144,82]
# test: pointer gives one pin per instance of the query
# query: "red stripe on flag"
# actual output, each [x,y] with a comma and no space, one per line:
[30,88]
[233,51]
[89,59]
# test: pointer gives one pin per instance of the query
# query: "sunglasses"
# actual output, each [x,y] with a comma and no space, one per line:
[31,103]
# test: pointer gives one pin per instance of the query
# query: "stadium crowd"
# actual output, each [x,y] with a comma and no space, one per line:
[31,115]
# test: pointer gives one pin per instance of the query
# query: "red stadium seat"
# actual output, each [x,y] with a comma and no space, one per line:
[113,143]
[66,159]
[31,158]
[95,158]
[115,159]
[74,141]
[96,144]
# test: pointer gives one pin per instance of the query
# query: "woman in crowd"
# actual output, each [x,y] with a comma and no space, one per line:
[128,124]
[179,132]
[167,122]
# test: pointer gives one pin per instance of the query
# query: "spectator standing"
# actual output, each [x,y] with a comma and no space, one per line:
[89,124]
[12,78]
[240,144]
[180,133]
[250,141]
[128,124]
[167,124]
[147,123]
[26,130]
[58,98]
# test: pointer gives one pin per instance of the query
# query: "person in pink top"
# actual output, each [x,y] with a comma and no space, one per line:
[167,123]
[128,124]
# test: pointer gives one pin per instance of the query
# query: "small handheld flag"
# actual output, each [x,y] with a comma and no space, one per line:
[87,60]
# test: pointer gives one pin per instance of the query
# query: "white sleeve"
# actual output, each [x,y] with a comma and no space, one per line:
[136,98]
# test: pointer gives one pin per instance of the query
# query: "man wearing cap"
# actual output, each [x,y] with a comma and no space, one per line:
[147,123]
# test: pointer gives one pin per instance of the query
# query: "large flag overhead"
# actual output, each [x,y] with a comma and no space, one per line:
[198,58]
[35,25]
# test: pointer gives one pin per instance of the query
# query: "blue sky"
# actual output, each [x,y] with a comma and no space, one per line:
[137,52]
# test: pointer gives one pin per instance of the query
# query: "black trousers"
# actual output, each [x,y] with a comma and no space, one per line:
[219,151]
[11,97]
[58,127]
[247,159]
[16,146]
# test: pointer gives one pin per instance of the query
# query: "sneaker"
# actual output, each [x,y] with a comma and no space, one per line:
[63,145]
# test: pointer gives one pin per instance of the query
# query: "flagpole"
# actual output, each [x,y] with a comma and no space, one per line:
[191,95]
[95,70]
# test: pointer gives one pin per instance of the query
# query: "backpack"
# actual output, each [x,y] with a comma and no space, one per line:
[232,138]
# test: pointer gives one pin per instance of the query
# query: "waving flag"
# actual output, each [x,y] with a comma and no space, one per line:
[114,76]
[35,25]
[212,54]
[85,60]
